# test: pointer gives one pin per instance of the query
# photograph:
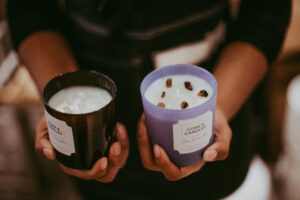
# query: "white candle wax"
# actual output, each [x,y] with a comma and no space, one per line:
[186,91]
[80,99]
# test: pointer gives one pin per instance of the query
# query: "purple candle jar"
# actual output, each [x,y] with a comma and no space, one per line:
[183,133]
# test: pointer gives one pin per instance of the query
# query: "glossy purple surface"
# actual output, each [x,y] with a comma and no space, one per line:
[160,121]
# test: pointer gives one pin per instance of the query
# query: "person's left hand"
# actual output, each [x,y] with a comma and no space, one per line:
[159,160]
[104,170]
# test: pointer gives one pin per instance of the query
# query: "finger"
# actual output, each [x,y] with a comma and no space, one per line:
[144,146]
[42,143]
[124,144]
[162,161]
[115,157]
[118,154]
[115,154]
[171,171]
[219,150]
[98,170]
[188,170]
[46,148]
[40,132]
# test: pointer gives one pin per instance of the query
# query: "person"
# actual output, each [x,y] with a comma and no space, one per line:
[124,39]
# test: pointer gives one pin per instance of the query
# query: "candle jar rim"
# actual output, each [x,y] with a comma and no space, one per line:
[73,73]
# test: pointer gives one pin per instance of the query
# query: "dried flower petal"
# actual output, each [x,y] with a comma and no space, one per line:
[188,85]
[169,83]
[163,94]
[203,93]
[161,104]
[184,105]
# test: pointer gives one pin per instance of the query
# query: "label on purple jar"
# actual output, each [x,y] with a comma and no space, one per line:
[60,134]
[193,134]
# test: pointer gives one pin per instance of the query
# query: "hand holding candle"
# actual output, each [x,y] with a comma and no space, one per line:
[182,128]
[155,158]
[80,114]
[79,122]
[104,170]
[179,104]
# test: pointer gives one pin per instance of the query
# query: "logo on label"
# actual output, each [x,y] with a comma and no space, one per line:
[61,135]
[191,135]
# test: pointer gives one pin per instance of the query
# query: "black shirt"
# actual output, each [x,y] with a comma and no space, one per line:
[163,22]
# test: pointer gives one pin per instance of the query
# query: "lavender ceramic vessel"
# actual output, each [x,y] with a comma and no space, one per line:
[184,134]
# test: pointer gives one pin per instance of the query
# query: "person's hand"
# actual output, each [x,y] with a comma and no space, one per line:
[104,170]
[158,160]
[219,150]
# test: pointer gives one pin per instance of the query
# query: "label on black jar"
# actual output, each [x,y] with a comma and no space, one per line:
[193,134]
[60,134]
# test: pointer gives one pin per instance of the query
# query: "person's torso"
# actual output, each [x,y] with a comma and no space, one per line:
[117,37]
[128,29]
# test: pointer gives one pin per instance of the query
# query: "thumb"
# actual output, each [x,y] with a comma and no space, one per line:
[42,143]
[219,150]
[47,148]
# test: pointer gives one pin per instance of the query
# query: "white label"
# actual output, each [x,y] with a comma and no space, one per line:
[61,135]
[193,134]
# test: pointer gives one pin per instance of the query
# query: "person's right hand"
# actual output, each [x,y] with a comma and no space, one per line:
[155,158]
[104,170]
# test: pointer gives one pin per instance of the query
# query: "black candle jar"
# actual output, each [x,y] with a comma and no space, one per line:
[80,140]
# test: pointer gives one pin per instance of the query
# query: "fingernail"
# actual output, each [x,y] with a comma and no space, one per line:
[211,155]
[103,164]
[48,153]
[156,151]
[117,149]
[122,134]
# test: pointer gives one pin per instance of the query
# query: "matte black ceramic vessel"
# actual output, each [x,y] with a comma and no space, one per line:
[80,140]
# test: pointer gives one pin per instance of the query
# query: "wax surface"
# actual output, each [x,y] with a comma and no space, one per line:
[80,99]
[178,93]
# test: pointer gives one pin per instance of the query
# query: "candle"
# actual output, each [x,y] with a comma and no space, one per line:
[80,99]
[179,105]
[79,109]
[185,92]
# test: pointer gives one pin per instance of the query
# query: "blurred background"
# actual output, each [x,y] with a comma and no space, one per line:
[274,174]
